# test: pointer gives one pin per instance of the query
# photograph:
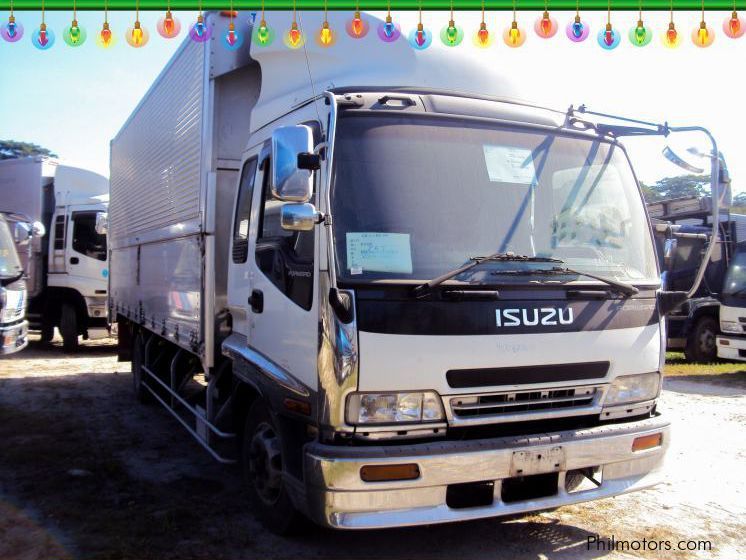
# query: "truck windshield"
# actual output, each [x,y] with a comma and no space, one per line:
[10,265]
[414,197]
[735,278]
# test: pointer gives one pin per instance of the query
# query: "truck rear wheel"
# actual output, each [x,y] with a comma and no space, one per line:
[69,327]
[138,358]
[261,461]
[701,345]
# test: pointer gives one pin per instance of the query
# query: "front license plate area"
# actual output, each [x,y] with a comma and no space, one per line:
[537,461]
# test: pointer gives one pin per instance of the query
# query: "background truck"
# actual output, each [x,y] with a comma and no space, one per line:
[694,326]
[67,267]
[13,297]
[395,297]
[731,342]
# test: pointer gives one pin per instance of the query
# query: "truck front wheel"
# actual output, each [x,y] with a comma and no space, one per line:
[69,327]
[701,346]
[261,459]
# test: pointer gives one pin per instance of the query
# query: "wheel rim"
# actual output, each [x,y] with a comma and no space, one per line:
[265,463]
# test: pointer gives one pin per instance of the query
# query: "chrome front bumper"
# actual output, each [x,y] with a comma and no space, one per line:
[336,496]
[13,338]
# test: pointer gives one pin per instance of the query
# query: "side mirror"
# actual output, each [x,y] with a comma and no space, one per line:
[22,232]
[299,217]
[669,253]
[290,181]
[102,223]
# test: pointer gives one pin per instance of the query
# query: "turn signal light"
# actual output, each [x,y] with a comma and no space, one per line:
[381,473]
[647,442]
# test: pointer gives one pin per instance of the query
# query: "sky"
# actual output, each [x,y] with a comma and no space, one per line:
[73,101]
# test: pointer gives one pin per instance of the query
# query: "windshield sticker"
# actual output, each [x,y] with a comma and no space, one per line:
[509,164]
[378,252]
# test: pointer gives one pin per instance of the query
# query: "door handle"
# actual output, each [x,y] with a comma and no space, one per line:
[256,301]
[74,260]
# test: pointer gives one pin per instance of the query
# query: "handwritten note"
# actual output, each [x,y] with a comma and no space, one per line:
[378,252]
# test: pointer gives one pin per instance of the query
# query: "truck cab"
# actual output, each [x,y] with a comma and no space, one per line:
[13,296]
[67,267]
[731,344]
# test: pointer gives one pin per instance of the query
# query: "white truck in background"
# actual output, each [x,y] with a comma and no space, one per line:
[67,267]
[731,343]
[393,295]
[13,296]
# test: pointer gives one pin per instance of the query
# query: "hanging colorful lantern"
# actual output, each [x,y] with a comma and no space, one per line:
[609,38]
[232,38]
[514,36]
[105,38]
[640,35]
[11,31]
[671,38]
[482,38]
[294,38]
[43,38]
[74,35]
[546,26]
[451,35]
[703,36]
[199,32]
[168,26]
[389,31]
[734,26]
[263,35]
[357,27]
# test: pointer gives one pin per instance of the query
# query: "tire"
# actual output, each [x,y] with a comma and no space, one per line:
[261,462]
[47,332]
[69,327]
[701,345]
[138,357]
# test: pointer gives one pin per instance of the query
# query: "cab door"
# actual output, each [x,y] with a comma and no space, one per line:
[86,249]
[282,306]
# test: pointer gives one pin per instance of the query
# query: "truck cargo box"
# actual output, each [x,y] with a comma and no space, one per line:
[174,167]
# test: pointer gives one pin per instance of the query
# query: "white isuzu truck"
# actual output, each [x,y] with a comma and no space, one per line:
[13,296]
[67,266]
[394,295]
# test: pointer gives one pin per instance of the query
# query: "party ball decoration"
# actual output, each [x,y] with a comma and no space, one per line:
[734,26]
[199,32]
[640,35]
[703,36]
[43,38]
[294,38]
[482,38]
[546,26]
[451,34]
[389,31]
[11,31]
[232,40]
[577,31]
[168,26]
[137,36]
[609,38]
[326,37]
[263,35]
[420,38]
[74,35]
[671,38]
[105,38]
[357,27]
[514,36]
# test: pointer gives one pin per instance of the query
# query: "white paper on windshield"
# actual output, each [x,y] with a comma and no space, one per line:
[509,164]
[378,252]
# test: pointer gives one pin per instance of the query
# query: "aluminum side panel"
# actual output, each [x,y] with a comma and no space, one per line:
[163,292]
[409,362]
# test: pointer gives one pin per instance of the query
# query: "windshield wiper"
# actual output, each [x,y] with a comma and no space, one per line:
[424,289]
[618,285]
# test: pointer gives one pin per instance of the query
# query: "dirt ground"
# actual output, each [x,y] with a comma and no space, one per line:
[86,472]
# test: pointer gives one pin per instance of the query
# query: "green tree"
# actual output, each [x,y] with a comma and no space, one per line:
[676,187]
[10,149]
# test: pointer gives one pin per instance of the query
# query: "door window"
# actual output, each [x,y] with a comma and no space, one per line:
[243,213]
[285,257]
[86,240]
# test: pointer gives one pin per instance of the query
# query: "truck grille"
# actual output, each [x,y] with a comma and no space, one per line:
[526,403]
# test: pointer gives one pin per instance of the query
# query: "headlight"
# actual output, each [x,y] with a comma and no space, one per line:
[633,388]
[731,327]
[394,408]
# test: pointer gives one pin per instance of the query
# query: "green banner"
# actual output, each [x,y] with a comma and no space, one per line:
[396,5]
